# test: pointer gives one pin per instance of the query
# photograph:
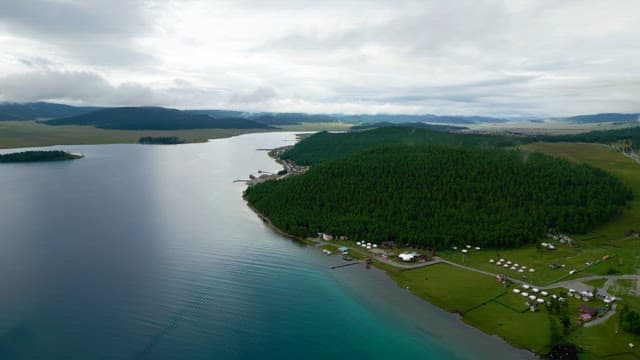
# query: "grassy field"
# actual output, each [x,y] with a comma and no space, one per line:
[538,260]
[624,288]
[525,330]
[14,134]
[548,127]
[598,283]
[482,302]
[605,341]
[450,288]
[30,133]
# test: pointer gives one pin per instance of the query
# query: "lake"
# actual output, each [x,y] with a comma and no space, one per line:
[149,252]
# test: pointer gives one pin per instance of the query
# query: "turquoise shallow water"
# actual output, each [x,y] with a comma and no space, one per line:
[149,252]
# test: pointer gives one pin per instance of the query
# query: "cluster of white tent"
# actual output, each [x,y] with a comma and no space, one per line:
[466,248]
[368,245]
[409,256]
[511,266]
[588,295]
[536,294]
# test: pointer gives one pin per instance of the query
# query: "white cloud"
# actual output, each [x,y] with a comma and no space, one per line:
[488,57]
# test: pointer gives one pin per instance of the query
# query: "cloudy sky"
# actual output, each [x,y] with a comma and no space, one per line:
[485,57]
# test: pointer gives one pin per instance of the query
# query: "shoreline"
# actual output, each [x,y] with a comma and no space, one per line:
[376,265]
[380,267]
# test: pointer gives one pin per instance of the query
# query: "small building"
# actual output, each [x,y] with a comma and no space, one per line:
[584,317]
[591,310]
[388,244]
[409,256]
[327,237]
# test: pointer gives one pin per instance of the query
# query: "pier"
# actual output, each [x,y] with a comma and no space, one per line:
[343,265]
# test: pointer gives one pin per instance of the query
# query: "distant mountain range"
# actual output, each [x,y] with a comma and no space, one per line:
[40,110]
[162,118]
[154,118]
[447,119]
[419,125]
[606,117]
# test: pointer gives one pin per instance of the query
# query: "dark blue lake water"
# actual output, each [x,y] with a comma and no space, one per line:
[149,252]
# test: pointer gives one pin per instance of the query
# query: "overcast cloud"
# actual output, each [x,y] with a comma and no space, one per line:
[484,57]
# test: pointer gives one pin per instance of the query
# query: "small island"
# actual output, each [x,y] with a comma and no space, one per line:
[38,156]
[161,140]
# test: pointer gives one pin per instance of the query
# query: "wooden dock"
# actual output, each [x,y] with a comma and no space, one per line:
[343,265]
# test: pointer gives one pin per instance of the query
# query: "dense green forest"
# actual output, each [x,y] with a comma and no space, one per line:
[441,196]
[33,156]
[161,140]
[154,118]
[602,136]
[326,146]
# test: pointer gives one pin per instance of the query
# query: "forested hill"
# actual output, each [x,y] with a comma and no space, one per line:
[326,146]
[601,136]
[40,110]
[441,196]
[154,118]
[4,117]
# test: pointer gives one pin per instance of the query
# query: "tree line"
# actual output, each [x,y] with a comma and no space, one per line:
[325,146]
[162,140]
[32,156]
